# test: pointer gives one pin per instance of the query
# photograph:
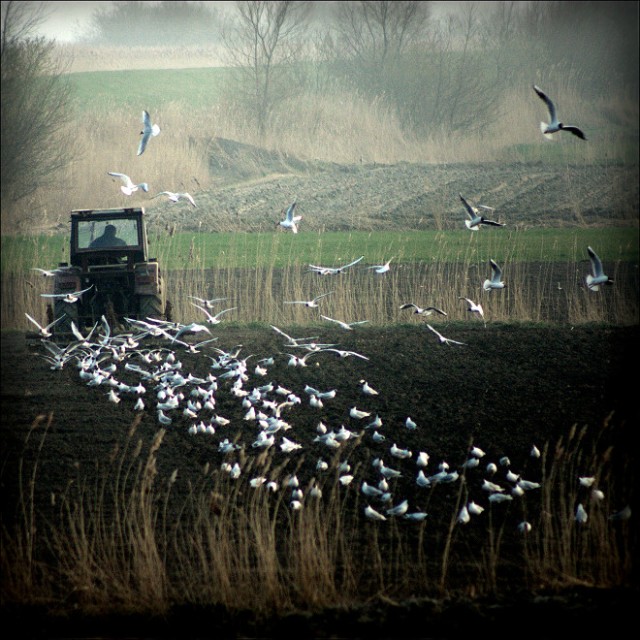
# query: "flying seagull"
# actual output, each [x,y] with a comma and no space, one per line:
[67,297]
[324,271]
[128,187]
[312,304]
[553,126]
[427,311]
[211,319]
[290,221]
[148,131]
[442,339]
[475,219]
[381,268]
[47,273]
[472,307]
[207,303]
[345,325]
[599,277]
[346,354]
[175,197]
[45,332]
[496,279]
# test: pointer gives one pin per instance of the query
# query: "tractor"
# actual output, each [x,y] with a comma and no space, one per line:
[108,257]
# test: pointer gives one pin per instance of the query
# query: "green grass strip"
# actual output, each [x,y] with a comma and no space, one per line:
[276,249]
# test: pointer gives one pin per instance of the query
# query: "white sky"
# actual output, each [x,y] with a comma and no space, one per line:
[67,20]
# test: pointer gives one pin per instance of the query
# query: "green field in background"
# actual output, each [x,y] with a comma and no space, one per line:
[103,91]
[277,249]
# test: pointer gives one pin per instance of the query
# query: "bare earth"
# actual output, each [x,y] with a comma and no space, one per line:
[506,389]
[253,186]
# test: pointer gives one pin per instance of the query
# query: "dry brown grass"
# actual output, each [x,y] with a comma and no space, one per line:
[118,546]
[87,58]
[336,127]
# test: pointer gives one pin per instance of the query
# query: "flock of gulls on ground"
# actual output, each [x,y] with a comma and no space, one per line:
[152,378]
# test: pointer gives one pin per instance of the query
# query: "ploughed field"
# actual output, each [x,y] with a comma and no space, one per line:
[507,388]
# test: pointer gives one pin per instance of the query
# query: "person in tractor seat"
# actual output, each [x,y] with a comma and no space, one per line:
[108,239]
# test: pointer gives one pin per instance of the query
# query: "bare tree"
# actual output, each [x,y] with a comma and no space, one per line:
[264,44]
[593,44]
[35,105]
[372,46]
[372,32]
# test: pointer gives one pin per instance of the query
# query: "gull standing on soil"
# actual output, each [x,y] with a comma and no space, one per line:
[475,219]
[422,459]
[366,389]
[372,514]
[492,487]
[354,412]
[442,339]
[148,131]
[410,424]
[70,298]
[290,221]
[348,326]
[597,277]
[175,197]
[554,126]
[311,304]
[325,271]
[44,331]
[463,516]
[496,279]
[129,186]
[399,509]
[397,452]
[416,516]
[422,480]
[581,514]
[474,508]
[427,311]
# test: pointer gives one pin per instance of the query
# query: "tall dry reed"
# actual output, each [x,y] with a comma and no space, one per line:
[334,126]
[124,542]
[537,291]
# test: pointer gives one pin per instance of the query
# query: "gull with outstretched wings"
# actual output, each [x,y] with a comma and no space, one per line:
[325,271]
[549,128]
[148,131]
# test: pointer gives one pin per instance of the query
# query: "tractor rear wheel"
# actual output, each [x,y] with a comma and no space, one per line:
[68,312]
[150,307]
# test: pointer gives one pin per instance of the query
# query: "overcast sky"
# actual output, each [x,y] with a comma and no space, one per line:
[67,20]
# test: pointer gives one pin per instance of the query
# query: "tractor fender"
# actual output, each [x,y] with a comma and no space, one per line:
[148,281]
